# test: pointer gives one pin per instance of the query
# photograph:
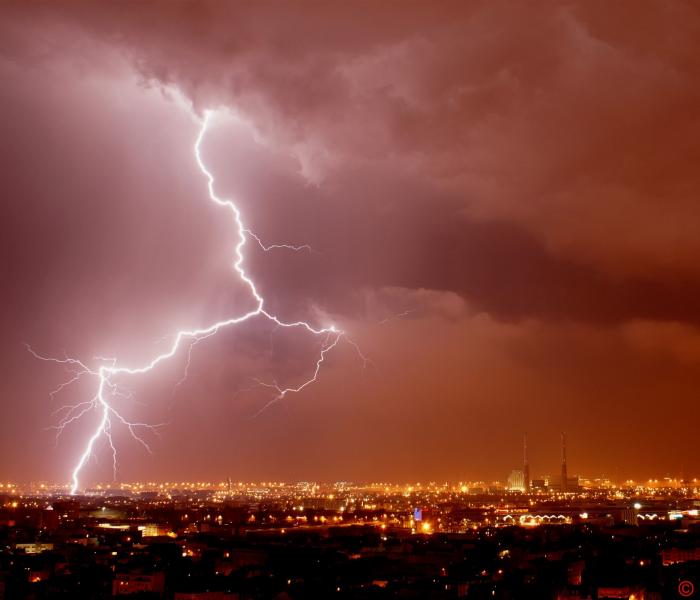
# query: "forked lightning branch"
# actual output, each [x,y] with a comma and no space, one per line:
[108,371]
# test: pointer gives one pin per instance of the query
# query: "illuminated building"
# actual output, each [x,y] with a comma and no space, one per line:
[136,583]
[154,530]
[516,480]
[538,484]
[671,556]
[34,547]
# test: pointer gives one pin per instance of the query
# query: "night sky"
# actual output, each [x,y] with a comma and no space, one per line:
[503,205]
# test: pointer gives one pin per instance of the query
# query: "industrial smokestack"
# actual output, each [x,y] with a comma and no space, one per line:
[526,465]
[564,475]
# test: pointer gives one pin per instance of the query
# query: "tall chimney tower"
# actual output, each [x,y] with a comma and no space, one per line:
[526,465]
[564,475]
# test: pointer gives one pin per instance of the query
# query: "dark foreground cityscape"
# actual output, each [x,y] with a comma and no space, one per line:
[567,538]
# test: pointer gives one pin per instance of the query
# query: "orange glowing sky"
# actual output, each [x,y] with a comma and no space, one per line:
[502,201]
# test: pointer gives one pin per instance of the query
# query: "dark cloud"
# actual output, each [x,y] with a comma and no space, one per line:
[575,128]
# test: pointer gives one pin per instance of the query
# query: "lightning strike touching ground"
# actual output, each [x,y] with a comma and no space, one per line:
[108,389]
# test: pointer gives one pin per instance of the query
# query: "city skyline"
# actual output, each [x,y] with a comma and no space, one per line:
[538,479]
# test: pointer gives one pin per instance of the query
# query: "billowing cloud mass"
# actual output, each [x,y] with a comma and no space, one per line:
[502,205]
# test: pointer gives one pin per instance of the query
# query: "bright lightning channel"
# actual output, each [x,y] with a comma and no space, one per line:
[108,390]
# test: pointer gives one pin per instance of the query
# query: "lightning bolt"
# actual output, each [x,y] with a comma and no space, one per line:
[106,374]
[269,247]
